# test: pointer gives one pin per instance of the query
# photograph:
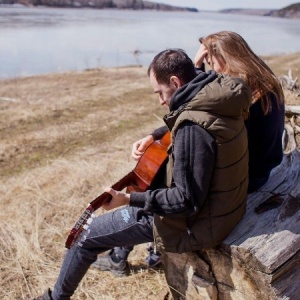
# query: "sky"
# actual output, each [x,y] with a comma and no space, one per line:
[223,4]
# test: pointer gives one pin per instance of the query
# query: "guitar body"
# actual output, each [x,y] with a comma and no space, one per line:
[139,180]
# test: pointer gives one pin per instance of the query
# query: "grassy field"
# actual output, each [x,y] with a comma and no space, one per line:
[64,137]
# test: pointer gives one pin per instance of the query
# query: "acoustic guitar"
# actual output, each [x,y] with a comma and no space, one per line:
[139,180]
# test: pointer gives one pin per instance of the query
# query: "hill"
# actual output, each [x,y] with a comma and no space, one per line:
[291,11]
[100,4]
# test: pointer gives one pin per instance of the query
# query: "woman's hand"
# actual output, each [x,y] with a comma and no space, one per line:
[200,55]
[118,199]
[139,147]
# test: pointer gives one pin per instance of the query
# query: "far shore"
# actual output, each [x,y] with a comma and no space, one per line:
[264,12]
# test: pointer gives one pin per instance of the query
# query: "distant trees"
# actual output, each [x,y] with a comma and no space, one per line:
[118,4]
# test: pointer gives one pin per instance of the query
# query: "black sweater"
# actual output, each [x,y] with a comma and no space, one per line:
[265,141]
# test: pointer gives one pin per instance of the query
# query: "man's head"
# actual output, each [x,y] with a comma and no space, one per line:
[169,70]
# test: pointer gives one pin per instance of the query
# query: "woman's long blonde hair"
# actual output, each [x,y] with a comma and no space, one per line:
[240,61]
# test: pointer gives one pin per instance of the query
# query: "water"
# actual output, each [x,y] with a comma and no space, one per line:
[45,40]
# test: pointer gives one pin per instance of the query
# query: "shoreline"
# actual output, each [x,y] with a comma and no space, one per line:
[66,72]
[274,61]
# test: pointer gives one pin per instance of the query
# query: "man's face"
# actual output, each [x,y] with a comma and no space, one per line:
[164,91]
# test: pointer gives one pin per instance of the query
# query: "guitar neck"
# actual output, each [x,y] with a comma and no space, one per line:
[118,186]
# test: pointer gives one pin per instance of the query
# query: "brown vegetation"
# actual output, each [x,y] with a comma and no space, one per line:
[64,137]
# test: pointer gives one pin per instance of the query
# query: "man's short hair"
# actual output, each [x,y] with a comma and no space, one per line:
[172,62]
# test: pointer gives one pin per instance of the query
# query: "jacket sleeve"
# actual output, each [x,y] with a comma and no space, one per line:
[194,156]
[159,132]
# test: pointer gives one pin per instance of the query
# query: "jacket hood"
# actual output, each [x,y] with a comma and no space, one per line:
[226,96]
[187,92]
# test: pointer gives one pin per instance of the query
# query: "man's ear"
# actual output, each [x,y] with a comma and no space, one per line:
[176,81]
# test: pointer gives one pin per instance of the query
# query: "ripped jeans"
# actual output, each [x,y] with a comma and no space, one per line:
[126,226]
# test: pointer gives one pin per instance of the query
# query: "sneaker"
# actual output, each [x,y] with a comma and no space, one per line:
[45,296]
[105,263]
[153,259]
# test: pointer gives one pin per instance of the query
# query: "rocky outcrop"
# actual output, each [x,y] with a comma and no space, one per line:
[291,11]
[100,4]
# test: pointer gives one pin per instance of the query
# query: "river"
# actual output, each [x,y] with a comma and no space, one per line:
[43,40]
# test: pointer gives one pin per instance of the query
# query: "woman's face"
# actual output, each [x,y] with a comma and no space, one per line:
[215,63]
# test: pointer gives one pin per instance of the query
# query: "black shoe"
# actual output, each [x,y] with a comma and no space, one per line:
[45,296]
[153,259]
[105,263]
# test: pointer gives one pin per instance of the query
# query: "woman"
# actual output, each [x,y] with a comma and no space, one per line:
[227,52]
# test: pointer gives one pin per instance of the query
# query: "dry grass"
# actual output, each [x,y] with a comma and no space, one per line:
[64,137]
[281,66]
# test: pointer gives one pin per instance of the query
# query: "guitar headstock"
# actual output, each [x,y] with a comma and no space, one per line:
[81,225]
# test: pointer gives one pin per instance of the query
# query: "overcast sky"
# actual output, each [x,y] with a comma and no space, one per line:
[221,4]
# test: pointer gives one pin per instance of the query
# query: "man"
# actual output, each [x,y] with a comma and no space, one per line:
[206,177]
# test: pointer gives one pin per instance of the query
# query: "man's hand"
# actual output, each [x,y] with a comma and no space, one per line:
[118,199]
[200,55]
[139,147]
